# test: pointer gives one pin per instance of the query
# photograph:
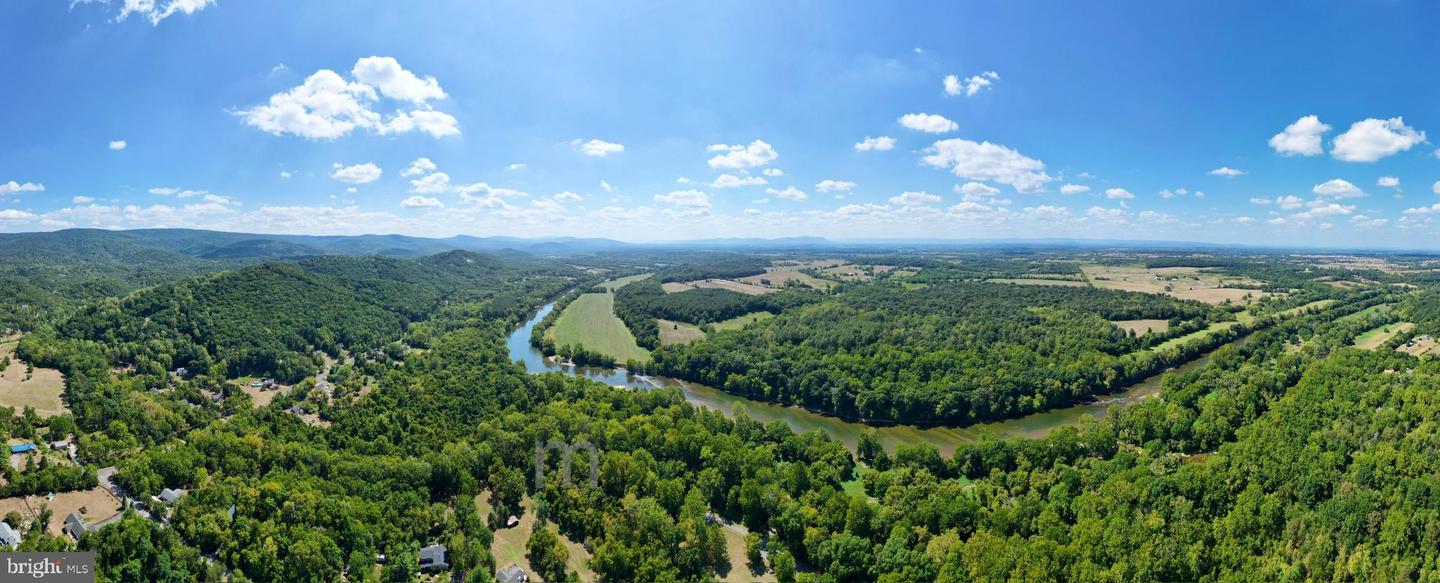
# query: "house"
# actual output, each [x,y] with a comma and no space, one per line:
[60,445]
[512,573]
[22,447]
[296,410]
[182,372]
[9,536]
[432,558]
[75,526]
[169,495]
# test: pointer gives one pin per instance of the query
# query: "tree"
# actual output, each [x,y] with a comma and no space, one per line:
[546,553]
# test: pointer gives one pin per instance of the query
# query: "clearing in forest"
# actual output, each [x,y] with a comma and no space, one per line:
[95,505]
[40,390]
[1142,327]
[739,322]
[615,284]
[672,332]
[777,277]
[1186,283]
[1421,346]
[590,321]
[1376,338]
[509,543]
[1034,281]
[1173,342]
[735,286]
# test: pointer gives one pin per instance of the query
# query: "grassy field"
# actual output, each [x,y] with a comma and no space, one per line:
[735,286]
[1142,327]
[1173,342]
[1379,336]
[778,276]
[678,332]
[1186,283]
[509,544]
[735,549]
[739,322]
[41,391]
[1317,304]
[615,284]
[1421,346]
[590,321]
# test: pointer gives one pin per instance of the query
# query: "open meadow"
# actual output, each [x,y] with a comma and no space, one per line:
[590,321]
[22,387]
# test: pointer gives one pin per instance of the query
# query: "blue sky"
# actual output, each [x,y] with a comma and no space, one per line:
[624,119]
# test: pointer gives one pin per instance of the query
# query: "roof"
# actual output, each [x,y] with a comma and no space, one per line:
[512,573]
[21,447]
[75,525]
[170,495]
[9,536]
[433,557]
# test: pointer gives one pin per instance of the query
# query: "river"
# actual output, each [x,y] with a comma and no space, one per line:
[943,438]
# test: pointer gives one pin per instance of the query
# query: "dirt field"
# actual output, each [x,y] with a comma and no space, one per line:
[99,504]
[1186,283]
[678,332]
[1142,327]
[1379,336]
[731,285]
[509,544]
[42,391]
[1421,346]
[778,276]
[1031,281]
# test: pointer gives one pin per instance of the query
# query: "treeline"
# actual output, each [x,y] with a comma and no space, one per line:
[950,353]
[640,303]
[714,266]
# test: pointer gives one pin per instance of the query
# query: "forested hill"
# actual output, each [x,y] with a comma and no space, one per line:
[267,319]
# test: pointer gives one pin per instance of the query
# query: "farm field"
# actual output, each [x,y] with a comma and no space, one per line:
[779,276]
[1034,281]
[590,321]
[735,286]
[617,283]
[739,322]
[1186,283]
[1142,327]
[1421,346]
[1317,304]
[672,332]
[1193,335]
[42,390]
[1378,337]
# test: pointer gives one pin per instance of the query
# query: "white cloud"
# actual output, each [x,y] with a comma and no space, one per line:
[285,174]
[434,183]
[1435,188]
[1261,201]
[357,174]
[1074,189]
[1244,220]
[773,172]
[393,81]
[835,185]
[418,167]
[977,189]
[685,203]
[82,199]
[118,144]
[758,153]
[515,166]
[327,106]
[605,186]
[13,187]
[1227,172]
[1106,215]
[970,86]
[733,181]
[928,123]
[790,193]
[879,144]
[1167,193]
[1118,194]
[988,162]
[1338,188]
[1372,139]
[596,148]
[1301,138]
[684,180]
[418,201]
[1365,222]
[1388,181]
[1159,218]
[157,10]
[914,199]
[16,215]
[1319,209]
[567,196]
[1289,202]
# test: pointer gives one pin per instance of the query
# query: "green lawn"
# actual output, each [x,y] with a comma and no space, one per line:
[590,321]
[739,322]
[615,284]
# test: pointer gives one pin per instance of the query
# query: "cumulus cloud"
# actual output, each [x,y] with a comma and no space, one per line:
[515,166]
[1372,139]
[1227,172]
[1365,222]
[914,199]
[1435,188]
[1338,188]
[685,203]
[418,167]
[596,148]
[327,106]
[118,144]
[928,122]
[1074,189]
[9,215]
[567,196]
[879,144]
[789,193]
[1106,215]
[1289,202]
[1301,138]
[434,183]
[1388,182]
[158,10]
[835,186]
[988,162]
[285,174]
[736,157]
[418,201]
[357,174]
[1118,194]
[82,199]
[13,187]
[970,86]
[733,181]
[773,172]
